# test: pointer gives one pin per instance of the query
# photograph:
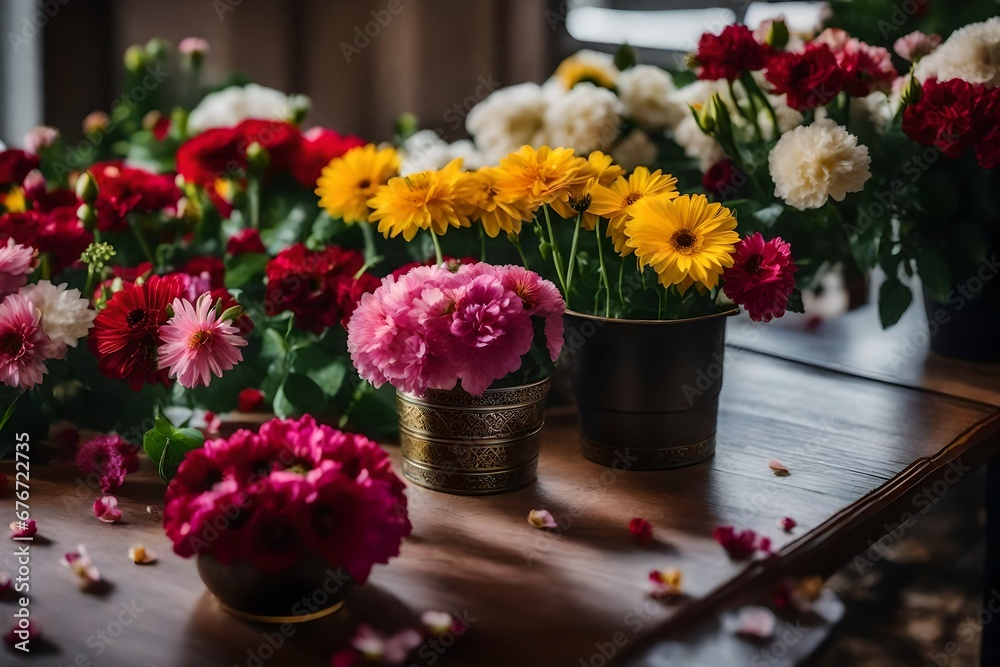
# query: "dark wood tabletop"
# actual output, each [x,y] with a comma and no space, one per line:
[866,452]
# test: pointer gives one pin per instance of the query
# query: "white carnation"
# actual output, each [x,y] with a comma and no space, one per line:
[65,316]
[586,118]
[508,119]
[229,106]
[875,109]
[425,150]
[635,149]
[697,144]
[971,53]
[814,162]
[648,94]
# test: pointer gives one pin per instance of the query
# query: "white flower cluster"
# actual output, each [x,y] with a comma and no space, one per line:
[65,315]
[232,105]
[425,150]
[971,53]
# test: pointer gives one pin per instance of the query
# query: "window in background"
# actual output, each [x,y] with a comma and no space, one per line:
[21,23]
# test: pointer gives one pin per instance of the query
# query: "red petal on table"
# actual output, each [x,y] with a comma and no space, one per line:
[23,528]
[106,509]
[642,530]
[787,524]
[19,634]
[741,544]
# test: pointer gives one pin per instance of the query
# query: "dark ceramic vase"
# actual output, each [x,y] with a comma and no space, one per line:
[967,327]
[305,591]
[647,391]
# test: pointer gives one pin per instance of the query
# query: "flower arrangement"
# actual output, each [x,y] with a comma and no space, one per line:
[293,489]
[435,327]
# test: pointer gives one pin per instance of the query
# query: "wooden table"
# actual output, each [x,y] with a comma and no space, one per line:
[867,450]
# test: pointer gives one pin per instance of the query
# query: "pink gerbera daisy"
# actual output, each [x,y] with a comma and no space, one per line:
[24,347]
[15,264]
[762,277]
[197,344]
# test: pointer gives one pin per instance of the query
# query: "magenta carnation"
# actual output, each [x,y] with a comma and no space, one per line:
[293,489]
[110,458]
[541,298]
[762,277]
[16,262]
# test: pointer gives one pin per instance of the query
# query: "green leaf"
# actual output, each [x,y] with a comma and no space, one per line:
[298,395]
[373,413]
[625,57]
[893,299]
[242,269]
[166,445]
[322,367]
[795,304]
[8,412]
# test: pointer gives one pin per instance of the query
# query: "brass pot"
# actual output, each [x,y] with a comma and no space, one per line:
[647,391]
[306,591]
[455,442]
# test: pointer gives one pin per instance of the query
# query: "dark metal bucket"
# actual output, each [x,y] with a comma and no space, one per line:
[647,391]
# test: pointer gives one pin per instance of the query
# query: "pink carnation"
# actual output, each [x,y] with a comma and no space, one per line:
[110,458]
[541,299]
[865,67]
[762,277]
[916,45]
[24,347]
[16,262]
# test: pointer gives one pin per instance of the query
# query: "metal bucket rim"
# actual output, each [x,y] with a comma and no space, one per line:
[726,313]
[487,392]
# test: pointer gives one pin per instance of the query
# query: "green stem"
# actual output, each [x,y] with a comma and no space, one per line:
[556,258]
[437,247]
[482,244]
[516,242]
[142,243]
[621,277]
[604,270]
[253,196]
[371,252]
[572,255]
[88,289]
[659,302]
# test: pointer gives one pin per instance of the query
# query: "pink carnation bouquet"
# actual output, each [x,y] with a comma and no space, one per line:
[293,489]
[476,325]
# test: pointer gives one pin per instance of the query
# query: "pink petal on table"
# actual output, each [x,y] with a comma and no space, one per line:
[399,646]
[437,623]
[106,509]
[778,467]
[23,528]
[542,519]
[753,622]
[80,564]
[787,524]
[19,634]
[642,530]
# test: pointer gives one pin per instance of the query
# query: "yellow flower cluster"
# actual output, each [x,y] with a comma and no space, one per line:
[686,239]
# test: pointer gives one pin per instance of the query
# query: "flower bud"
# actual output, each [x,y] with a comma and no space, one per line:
[96,122]
[232,314]
[719,113]
[257,157]
[406,126]
[40,138]
[777,34]
[301,104]
[86,188]
[912,91]
[194,49]
[87,216]
[157,49]
[135,59]
[703,117]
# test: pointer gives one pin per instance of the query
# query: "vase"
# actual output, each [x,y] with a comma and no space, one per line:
[647,391]
[455,442]
[308,590]
[966,328]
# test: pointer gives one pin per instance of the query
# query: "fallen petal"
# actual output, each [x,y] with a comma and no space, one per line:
[740,544]
[140,555]
[778,467]
[642,530]
[6,583]
[23,528]
[753,622]
[667,584]
[18,634]
[437,622]
[399,646]
[369,642]
[106,509]
[80,564]
[542,519]
[787,524]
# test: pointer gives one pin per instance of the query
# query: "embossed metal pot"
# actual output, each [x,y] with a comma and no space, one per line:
[458,443]
[647,391]
[308,590]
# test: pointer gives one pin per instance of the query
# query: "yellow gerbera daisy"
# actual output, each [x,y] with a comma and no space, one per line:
[615,202]
[14,200]
[349,181]
[581,67]
[605,171]
[432,200]
[494,215]
[530,178]
[686,240]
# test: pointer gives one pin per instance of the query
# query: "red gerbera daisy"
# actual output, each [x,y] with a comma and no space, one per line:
[126,333]
[762,277]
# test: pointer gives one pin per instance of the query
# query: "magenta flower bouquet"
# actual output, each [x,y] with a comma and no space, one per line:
[293,490]
[477,326]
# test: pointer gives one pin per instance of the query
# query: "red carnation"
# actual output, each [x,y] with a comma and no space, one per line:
[126,333]
[955,115]
[250,400]
[317,147]
[244,241]
[317,285]
[723,179]
[211,155]
[810,78]
[58,233]
[281,141]
[729,54]
[15,165]
[122,190]
[762,277]
[866,68]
